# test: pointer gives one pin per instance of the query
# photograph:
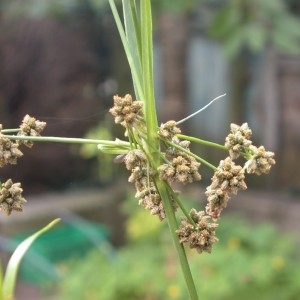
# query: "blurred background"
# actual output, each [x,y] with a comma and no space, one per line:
[62,61]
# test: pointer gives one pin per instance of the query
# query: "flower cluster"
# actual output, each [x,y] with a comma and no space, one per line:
[228,179]
[126,110]
[11,197]
[11,193]
[259,161]
[142,177]
[238,139]
[129,114]
[181,166]
[200,235]
[9,151]
[168,130]
[30,127]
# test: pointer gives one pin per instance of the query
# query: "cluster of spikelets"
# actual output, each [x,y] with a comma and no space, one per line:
[181,166]
[176,164]
[129,113]
[197,229]
[143,178]
[11,193]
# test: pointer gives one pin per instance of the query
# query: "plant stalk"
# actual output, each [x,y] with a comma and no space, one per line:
[203,161]
[68,140]
[202,142]
[173,226]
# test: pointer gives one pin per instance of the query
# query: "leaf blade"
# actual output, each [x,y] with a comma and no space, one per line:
[126,46]
[133,34]
[13,265]
[147,68]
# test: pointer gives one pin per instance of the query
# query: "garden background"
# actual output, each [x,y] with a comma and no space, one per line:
[62,61]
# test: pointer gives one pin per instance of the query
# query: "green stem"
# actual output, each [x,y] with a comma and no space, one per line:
[179,202]
[173,226]
[130,59]
[202,142]
[203,161]
[10,130]
[147,68]
[55,139]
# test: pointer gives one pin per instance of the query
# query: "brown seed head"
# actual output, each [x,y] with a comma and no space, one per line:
[30,127]
[238,139]
[202,236]
[11,197]
[261,160]
[126,110]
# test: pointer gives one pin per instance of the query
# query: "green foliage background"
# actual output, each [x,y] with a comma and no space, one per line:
[247,24]
[248,262]
[255,25]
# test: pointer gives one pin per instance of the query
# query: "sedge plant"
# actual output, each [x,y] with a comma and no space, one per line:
[157,156]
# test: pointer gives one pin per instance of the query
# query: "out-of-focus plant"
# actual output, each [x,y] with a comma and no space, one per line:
[8,279]
[254,25]
[40,8]
[174,6]
[249,262]
[105,166]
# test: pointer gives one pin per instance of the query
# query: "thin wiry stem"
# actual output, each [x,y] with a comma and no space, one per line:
[109,147]
[198,158]
[181,206]
[202,142]
[198,111]
[117,142]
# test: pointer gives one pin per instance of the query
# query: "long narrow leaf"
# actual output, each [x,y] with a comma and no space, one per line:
[133,35]
[10,276]
[147,64]
[134,72]
[137,26]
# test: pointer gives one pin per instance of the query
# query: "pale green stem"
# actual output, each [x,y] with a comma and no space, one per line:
[163,190]
[202,142]
[127,50]
[147,66]
[179,202]
[172,222]
[10,130]
[68,140]
[203,161]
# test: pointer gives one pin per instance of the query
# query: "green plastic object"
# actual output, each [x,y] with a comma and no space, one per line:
[41,264]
